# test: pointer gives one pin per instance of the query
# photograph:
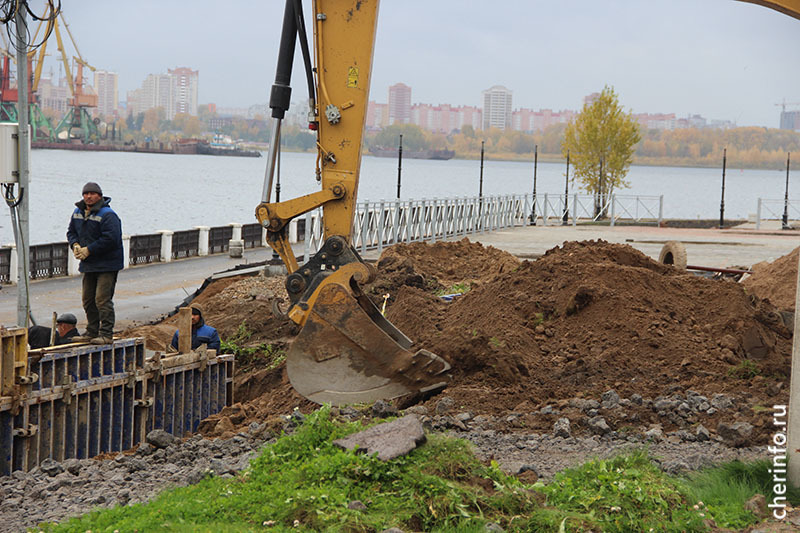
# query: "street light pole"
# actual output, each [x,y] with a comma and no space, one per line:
[480,187]
[535,164]
[722,200]
[565,219]
[785,221]
[399,164]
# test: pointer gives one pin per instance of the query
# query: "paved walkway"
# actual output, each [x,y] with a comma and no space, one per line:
[145,293]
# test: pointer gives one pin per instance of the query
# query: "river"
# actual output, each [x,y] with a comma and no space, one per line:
[163,191]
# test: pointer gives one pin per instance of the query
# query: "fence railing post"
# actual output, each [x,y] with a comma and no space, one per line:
[126,256]
[575,210]
[396,227]
[660,209]
[236,234]
[758,214]
[202,240]
[381,216]
[613,202]
[544,210]
[13,264]
[166,245]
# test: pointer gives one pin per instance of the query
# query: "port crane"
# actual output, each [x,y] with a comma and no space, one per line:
[78,122]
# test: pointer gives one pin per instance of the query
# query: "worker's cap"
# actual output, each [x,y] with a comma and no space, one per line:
[67,318]
[92,187]
[197,310]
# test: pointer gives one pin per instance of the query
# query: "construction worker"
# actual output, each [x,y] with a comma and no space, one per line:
[66,331]
[201,332]
[95,237]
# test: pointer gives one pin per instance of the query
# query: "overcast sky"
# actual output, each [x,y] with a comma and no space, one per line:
[722,59]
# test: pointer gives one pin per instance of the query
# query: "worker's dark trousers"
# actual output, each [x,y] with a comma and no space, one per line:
[98,295]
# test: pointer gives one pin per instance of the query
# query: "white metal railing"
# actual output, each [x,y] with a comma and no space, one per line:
[380,224]
[773,209]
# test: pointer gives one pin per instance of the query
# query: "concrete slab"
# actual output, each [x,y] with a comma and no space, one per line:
[389,440]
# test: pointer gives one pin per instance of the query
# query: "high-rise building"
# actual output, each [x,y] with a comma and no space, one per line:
[790,120]
[53,97]
[184,90]
[399,104]
[106,85]
[175,92]
[377,115]
[497,108]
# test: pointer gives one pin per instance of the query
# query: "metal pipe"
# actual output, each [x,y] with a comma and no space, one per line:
[715,269]
[272,154]
[722,199]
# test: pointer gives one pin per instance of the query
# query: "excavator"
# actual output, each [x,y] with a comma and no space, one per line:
[345,351]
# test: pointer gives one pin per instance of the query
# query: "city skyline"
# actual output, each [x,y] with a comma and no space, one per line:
[718,58]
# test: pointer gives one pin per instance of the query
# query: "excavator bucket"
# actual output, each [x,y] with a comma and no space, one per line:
[347,352]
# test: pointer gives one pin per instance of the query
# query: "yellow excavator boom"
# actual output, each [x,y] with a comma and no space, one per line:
[346,351]
[787,7]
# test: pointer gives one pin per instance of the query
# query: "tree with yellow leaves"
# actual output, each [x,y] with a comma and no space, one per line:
[600,143]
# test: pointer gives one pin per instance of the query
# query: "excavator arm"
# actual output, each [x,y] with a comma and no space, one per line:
[346,351]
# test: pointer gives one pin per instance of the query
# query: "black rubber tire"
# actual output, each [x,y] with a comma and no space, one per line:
[673,253]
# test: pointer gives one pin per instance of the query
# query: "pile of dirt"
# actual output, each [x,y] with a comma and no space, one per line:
[593,316]
[585,318]
[438,267]
[231,305]
[776,281]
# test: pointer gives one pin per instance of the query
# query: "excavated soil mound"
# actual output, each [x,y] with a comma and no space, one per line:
[230,304]
[585,318]
[438,267]
[776,281]
[593,316]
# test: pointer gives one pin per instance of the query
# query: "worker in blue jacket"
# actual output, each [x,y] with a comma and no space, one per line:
[95,237]
[201,332]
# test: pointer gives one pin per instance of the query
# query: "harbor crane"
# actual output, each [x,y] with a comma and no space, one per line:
[78,122]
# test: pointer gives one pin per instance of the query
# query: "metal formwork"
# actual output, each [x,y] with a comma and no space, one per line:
[81,401]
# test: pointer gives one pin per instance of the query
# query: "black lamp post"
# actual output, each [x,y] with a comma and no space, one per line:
[399,164]
[722,200]
[535,164]
[565,220]
[785,220]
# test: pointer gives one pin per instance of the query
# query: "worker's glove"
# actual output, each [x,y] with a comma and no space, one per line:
[82,253]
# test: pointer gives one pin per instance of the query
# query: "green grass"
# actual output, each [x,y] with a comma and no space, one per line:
[626,493]
[266,355]
[304,483]
[724,489]
[747,369]
[456,288]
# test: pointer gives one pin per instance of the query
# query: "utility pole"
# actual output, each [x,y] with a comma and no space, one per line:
[565,219]
[23,254]
[722,200]
[399,164]
[785,221]
[535,162]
